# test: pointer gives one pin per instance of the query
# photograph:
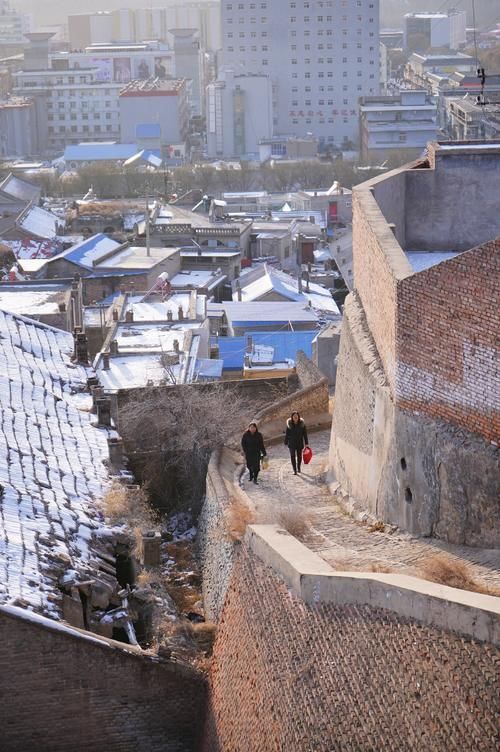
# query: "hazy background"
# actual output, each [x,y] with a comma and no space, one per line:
[55,11]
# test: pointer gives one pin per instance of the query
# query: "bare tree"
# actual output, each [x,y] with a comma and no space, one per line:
[175,430]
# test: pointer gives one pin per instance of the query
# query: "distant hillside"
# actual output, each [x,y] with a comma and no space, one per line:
[56,11]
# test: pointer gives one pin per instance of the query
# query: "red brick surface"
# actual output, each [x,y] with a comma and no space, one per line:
[447,341]
[291,678]
[61,693]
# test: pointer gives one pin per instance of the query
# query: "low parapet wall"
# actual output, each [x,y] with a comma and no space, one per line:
[63,688]
[314,581]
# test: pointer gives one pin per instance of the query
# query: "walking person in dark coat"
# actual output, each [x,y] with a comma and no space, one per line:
[296,439]
[253,447]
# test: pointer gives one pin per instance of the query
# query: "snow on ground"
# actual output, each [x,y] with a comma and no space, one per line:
[51,464]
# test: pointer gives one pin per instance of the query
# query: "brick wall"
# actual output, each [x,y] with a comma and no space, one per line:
[62,691]
[378,263]
[447,341]
[287,676]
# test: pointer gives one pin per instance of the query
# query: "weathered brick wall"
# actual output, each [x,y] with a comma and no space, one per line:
[447,341]
[308,372]
[288,677]
[378,263]
[64,692]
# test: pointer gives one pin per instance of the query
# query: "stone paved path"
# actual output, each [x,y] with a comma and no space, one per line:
[345,543]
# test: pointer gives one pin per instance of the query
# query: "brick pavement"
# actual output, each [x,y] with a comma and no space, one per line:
[340,540]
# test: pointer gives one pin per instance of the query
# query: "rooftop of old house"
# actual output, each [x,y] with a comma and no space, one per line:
[258,283]
[32,299]
[51,466]
[207,279]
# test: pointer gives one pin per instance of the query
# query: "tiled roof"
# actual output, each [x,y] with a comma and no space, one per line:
[51,464]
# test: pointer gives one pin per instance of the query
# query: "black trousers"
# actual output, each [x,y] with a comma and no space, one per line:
[253,464]
[296,458]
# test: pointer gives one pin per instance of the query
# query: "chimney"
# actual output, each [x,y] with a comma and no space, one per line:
[307,282]
[113,347]
[238,290]
[62,307]
[170,315]
[180,314]
[115,314]
[91,382]
[129,316]
[97,393]
[246,361]
[81,350]
[249,344]
[176,345]
[115,448]
[103,411]
[299,280]
[105,361]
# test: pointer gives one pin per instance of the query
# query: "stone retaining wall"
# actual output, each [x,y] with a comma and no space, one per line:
[63,689]
[323,677]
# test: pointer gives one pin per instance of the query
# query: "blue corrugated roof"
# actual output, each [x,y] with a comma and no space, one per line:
[286,344]
[96,151]
[147,130]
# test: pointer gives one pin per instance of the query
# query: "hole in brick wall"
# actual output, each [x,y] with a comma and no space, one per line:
[403,463]
[408,495]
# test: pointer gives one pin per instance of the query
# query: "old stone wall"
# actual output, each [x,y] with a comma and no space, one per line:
[64,691]
[287,676]
[216,549]
[447,341]
[427,476]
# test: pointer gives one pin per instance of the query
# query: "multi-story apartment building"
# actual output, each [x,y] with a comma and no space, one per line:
[239,115]
[422,31]
[71,106]
[157,107]
[405,121]
[322,55]
[13,26]
[142,24]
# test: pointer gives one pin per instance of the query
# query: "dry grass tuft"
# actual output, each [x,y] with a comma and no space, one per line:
[445,570]
[377,527]
[295,520]
[129,505]
[238,517]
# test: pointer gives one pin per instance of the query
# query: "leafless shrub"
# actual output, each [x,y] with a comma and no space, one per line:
[295,520]
[446,570]
[238,517]
[377,527]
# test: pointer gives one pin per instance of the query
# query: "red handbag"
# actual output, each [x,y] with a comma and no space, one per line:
[307,454]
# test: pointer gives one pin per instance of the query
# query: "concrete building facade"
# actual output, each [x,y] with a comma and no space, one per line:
[425,30]
[405,121]
[155,102]
[417,411]
[321,57]
[239,114]
[190,64]
[18,136]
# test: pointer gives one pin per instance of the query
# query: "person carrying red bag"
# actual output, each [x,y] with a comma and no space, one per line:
[296,439]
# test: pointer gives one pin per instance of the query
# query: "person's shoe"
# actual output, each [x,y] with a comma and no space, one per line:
[298,469]
[255,481]
[250,477]
[295,472]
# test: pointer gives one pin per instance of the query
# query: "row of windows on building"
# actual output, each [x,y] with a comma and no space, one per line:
[84,129]
[293,4]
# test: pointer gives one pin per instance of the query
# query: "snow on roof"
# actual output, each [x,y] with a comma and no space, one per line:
[196,278]
[135,257]
[155,309]
[31,300]
[272,280]
[264,312]
[20,189]
[51,467]
[41,223]
[421,260]
[90,251]
[29,248]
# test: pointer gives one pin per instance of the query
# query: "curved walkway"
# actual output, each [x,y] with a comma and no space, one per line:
[304,505]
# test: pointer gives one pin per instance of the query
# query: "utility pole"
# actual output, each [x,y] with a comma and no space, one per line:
[148,241]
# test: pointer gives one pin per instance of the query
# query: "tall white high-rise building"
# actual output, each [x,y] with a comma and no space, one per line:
[322,55]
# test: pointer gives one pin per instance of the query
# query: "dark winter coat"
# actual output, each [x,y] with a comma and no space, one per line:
[296,434]
[253,445]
